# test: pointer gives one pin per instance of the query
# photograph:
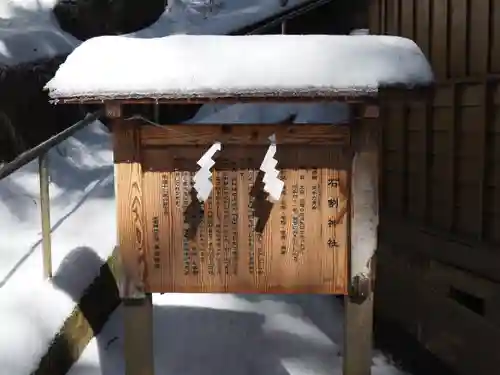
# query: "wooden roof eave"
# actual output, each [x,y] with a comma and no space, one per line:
[348,97]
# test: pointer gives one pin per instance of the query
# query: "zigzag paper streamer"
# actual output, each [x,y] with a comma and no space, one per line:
[272,184]
[203,178]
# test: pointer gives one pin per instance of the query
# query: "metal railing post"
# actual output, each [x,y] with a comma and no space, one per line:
[283,27]
[157,113]
[43,170]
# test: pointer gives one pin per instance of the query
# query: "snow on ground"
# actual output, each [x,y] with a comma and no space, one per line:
[29,30]
[83,236]
[213,334]
[213,66]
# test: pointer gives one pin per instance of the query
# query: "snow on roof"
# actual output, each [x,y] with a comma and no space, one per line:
[190,66]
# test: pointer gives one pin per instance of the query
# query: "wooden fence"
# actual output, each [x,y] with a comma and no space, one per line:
[441,159]
[460,37]
[438,260]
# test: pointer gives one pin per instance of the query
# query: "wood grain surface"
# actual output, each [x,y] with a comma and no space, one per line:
[237,241]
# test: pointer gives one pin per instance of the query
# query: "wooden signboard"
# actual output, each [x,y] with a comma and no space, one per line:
[236,241]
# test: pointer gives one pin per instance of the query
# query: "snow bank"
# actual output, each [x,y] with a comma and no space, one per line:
[32,313]
[188,66]
[81,186]
[29,31]
[33,310]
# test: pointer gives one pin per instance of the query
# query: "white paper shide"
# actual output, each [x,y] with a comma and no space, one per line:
[203,178]
[272,184]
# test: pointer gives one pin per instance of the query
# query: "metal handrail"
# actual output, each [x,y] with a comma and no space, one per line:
[281,19]
[40,152]
[35,152]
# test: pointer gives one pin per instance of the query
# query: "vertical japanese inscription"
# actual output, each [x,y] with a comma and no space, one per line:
[210,244]
[283,220]
[302,212]
[164,193]
[201,235]
[156,243]
[177,188]
[250,219]
[315,189]
[234,219]
[199,217]
[218,234]
[225,222]
[333,203]
[185,240]
[295,222]
[194,255]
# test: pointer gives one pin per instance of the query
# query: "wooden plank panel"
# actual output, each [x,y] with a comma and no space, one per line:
[383,16]
[417,162]
[439,35]
[288,241]
[492,223]
[394,162]
[395,159]
[448,331]
[468,211]
[393,196]
[485,121]
[469,172]
[244,134]
[454,145]
[129,205]
[479,258]
[478,42]
[424,26]
[458,38]
[492,173]
[428,159]
[374,19]
[443,165]
[407,26]
[495,37]
[393,17]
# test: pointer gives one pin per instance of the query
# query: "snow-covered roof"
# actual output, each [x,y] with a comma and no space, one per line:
[208,66]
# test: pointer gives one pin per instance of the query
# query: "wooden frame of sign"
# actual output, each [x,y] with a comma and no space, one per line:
[319,238]
[237,241]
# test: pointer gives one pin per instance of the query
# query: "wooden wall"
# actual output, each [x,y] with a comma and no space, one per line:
[438,264]
[441,160]
[460,37]
[438,260]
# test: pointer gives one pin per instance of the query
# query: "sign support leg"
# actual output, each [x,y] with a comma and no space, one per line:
[137,305]
[138,340]
[364,223]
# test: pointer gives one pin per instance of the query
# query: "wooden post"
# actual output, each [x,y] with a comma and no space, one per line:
[138,336]
[364,223]
[137,305]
